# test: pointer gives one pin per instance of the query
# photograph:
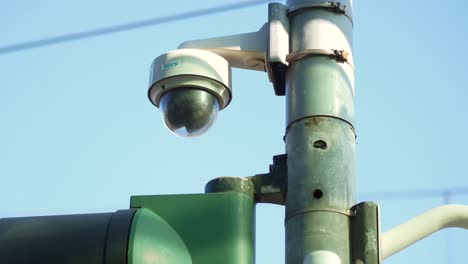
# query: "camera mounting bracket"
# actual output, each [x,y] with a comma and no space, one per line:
[263,50]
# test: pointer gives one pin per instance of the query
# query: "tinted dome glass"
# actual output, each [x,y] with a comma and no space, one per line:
[189,112]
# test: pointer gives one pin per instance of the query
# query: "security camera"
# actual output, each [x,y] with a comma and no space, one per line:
[190,86]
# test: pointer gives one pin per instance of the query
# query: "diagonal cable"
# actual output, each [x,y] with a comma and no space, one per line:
[125,27]
[414,194]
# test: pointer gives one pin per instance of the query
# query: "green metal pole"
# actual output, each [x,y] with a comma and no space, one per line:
[320,135]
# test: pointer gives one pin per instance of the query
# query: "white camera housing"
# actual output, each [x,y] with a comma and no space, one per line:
[190,86]
[193,69]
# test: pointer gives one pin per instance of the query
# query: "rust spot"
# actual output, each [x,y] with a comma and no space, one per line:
[313,121]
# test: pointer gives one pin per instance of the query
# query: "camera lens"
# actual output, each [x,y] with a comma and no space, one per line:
[189,112]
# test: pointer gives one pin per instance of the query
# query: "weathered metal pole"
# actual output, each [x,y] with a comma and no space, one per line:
[320,135]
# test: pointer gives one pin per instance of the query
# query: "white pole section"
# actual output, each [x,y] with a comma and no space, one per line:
[422,226]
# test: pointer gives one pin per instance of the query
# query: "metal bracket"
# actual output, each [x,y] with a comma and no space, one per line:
[271,187]
[265,188]
[245,51]
[278,46]
[264,50]
[340,56]
[365,233]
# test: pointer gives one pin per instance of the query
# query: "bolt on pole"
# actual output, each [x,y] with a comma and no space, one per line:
[320,134]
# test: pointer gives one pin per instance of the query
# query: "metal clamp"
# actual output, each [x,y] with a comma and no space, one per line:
[336,7]
[340,56]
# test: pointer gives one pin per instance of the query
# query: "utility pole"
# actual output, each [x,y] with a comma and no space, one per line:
[320,133]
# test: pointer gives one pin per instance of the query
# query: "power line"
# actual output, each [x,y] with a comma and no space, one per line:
[125,27]
[415,194]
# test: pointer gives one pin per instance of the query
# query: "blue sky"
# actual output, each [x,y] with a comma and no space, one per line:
[79,135]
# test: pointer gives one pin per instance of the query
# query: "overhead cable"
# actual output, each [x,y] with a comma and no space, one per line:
[125,27]
[414,194]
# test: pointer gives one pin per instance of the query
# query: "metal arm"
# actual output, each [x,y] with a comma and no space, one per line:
[264,50]
[422,226]
[246,51]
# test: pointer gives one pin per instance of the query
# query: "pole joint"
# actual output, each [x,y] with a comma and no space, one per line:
[312,209]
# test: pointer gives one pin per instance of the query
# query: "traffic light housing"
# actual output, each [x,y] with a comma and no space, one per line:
[193,228]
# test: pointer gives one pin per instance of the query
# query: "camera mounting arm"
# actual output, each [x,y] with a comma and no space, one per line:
[245,51]
[263,50]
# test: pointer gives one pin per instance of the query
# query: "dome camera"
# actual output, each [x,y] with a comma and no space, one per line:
[190,86]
